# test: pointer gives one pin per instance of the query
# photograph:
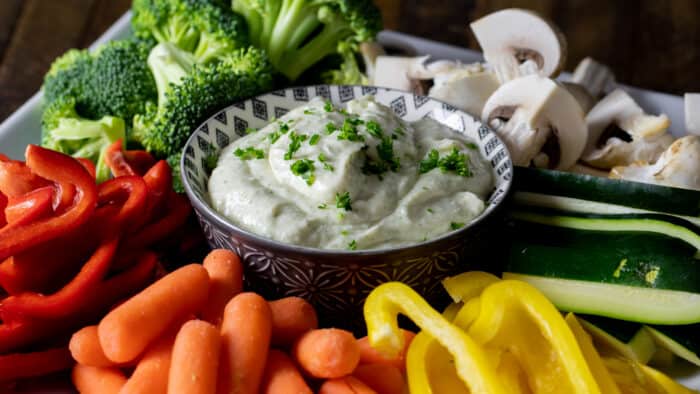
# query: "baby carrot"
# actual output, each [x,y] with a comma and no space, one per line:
[85,348]
[282,376]
[327,353]
[129,328]
[368,355]
[151,373]
[97,380]
[382,378]
[195,359]
[291,317]
[345,385]
[225,281]
[245,333]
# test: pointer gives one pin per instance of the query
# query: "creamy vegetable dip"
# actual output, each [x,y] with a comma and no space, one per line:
[360,178]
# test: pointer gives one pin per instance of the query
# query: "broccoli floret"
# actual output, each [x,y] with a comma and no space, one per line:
[164,129]
[64,130]
[119,82]
[174,162]
[349,72]
[67,75]
[299,33]
[203,28]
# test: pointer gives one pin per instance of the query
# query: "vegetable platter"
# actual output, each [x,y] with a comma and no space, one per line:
[195,321]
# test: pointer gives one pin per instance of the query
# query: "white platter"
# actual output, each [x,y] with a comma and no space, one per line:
[24,125]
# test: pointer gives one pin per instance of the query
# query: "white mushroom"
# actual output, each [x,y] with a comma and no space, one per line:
[678,166]
[370,51]
[518,42]
[540,122]
[620,133]
[465,86]
[692,113]
[581,94]
[595,77]
[403,73]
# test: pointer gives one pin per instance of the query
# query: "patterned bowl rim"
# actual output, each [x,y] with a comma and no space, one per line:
[212,215]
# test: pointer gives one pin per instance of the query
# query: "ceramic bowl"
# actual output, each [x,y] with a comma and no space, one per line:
[337,281]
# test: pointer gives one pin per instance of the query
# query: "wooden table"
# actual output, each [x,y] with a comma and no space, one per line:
[649,43]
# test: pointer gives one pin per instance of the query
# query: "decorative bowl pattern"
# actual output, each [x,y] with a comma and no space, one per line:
[337,282]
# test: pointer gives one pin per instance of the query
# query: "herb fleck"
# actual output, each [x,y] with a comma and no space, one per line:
[430,210]
[399,131]
[349,131]
[323,206]
[309,112]
[210,161]
[328,107]
[305,169]
[294,145]
[454,162]
[314,139]
[374,129]
[344,233]
[326,166]
[250,130]
[330,128]
[352,245]
[472,146]
[456,225]
[430,162]
[249,153]
[343,201]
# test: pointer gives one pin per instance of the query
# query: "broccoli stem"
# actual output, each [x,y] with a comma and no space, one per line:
[324,44]
[306,27]
[291,15]
[169,65]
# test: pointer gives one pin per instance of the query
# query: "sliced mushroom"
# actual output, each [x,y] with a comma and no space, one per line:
[692,113]
[581,94]
[403,73]
[539,120]
[678,166]
[595,77]
[620,133]
[518,42]
[370,51]
[465,86]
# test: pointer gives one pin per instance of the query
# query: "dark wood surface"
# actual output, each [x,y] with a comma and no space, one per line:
[648,43]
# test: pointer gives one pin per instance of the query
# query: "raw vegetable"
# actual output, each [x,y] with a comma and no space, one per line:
[369,355]
[282,376]
[86,349]
[629,339]
[382,378]
[151,372]
[345,385]
[291,318]
[195,357]
[682,341]
[92,380]
[298,34]
[225,281]
[327,353]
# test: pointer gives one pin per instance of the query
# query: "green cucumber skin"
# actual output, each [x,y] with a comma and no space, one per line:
[612,191]
[595,256]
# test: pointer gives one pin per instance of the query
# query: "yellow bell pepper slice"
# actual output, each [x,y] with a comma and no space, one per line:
[670,385]
[516,317]
[467,285]
[381,310]
[595,362]
[630,378]
[430,368]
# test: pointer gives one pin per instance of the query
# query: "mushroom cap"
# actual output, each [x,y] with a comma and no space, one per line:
[692,113]
[370,50]
[593,76]
[678,166]
[512,36]
[400,72]
[581,94]
[645,136]
[464,86]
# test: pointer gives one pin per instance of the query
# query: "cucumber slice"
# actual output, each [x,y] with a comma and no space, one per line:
[683,341]
[576,205]
[638,304]
[613,191]
[643,260]
[628,339]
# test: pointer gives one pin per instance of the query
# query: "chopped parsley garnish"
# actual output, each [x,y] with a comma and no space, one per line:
[294,145]
[249,153]
[399,131]
[374,129]
[454,162]
[352,245]
[210,161]
[323,206]
[314,139]
[328,107]
[305,169]
[326,166]
[387,160]
[274,136]
[250,130]
[330,128]
[344,233]
[349,131]
[343,201]
[472,146]
[456,225]
[309,112]
[284,128]
[430,210]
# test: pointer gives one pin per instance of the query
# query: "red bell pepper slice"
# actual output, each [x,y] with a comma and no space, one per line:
[27,365]
[115,160]
[72,297]
[178,211]
[139,160]
[17,179]
[159,180]
[129,191]
[29,207]
[89,166]
[3,205]
[59,168]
